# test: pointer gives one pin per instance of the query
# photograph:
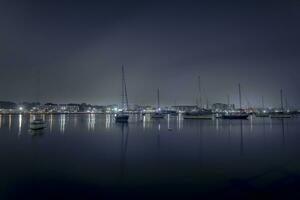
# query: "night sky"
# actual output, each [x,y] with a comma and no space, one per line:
[78,47]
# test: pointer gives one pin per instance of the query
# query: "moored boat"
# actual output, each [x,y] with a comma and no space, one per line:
[282,113]
[158,114]
[235,115]
[239,114]
[262,114]
[200,114]
[37,124]
[122,117]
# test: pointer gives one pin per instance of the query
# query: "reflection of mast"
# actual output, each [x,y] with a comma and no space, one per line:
[124,144]
[264,131]
[229,132]
[283,132]
[242,140]
[158,142]
[200,141]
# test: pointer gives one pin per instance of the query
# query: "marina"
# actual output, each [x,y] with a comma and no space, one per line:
[149,100]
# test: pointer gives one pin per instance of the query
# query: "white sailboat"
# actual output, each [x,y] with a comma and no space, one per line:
[238,114]
[263,112]
[122,117]
[38,122]
[199,113]
[282,113]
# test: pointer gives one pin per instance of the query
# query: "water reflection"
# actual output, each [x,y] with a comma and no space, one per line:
[62,123]
[229,132]
[168,121]
[180,121]
[91,122]
[75,120]
[9,123]
[144,122]
[124,145]
[36,133]
[264,131]
[50,123]
[200,141]
[283,133]
[20,124]
[251,124]
[0,121]
[107,121]
[242,139]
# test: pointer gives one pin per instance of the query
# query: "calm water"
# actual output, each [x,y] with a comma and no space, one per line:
[90,156]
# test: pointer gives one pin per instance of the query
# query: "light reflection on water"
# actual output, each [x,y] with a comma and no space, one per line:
[9,122]
[62,123]
[91,122]
[154,150]
[20,124]
[50,123]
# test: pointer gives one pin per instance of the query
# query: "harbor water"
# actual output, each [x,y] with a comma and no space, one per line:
[90,156]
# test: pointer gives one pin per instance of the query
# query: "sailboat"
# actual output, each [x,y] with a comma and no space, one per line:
[158,114]
[239,114]
[199,113]
[263,112]
[38,122]
[282,113]
[122,117]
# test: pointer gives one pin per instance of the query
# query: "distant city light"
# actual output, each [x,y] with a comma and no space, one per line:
[21,108]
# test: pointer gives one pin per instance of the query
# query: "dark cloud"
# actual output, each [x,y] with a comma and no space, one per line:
[79,47]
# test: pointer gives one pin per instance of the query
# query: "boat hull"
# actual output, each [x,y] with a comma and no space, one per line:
[235,116]
[122,118]
[34,126]
[207,117]
[262,115]
[280,116]
[37,124]
[157,116]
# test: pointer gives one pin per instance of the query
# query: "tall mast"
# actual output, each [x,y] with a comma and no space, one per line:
[158,104]
[207,103]
[38,83]
[281,99]
[199,91]
[240,96]
[124,91]
[228,101]
[263,102]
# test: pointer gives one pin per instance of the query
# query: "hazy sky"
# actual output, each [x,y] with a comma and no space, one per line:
[80,46]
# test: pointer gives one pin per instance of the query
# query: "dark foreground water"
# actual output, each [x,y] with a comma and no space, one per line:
[92,157]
